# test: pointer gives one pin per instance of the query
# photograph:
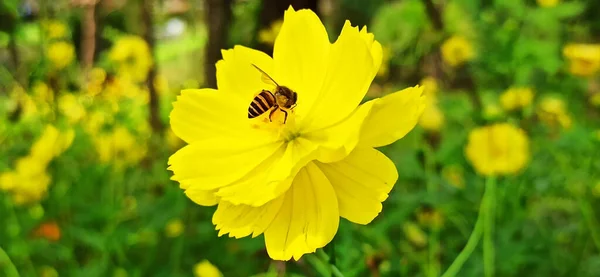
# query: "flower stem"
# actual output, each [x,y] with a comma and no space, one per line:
[488,228]
[475,236]
[7,264]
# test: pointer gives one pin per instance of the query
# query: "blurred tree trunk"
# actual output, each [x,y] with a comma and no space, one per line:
[218,16]
[272,10]
[148,24]
[88,31]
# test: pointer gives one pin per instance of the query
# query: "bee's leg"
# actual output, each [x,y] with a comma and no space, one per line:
[286,114]
[271,114]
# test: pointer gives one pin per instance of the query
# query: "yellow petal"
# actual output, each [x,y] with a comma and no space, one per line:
[242,220]
[350,72]
[272,177]
[392,117]
[236,75]
[202,197]
[207,165]
[206,113]
[301,53]
[361,182]
[308,218]
[337,141]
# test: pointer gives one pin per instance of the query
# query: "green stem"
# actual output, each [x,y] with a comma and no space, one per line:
[488,228]
[473,240]
[590,220]
[7,264]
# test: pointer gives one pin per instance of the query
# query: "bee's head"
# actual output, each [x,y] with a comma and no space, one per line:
[286,98]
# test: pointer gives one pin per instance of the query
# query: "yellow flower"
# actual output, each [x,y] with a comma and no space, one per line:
[55,29]
[71,107]
[492,111]
[553,112]
[430,217]
[206,269]
[42,92]
[516,98]
[293,179]
[457,50]
[52,143]
[432,118]
[174,228]
[414,234]
[29,181]
[133,57]
[584,59]
[430,87]
[498,149]
[595,99]
[384,69]
[119,146]
[268,35]
[60,54]
[454,175]
[95,82]
[547,3]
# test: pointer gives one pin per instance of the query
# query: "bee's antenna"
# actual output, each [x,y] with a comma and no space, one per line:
[263,72]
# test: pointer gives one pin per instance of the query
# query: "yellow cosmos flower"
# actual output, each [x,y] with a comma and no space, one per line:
[547,3]
[60,54]
[206,269]
[584,59]
[174,228]
[384,69]
[457,50]
[42,92]
[51,144]
[432,118]
[119,146]
[55,29]
[133,57]
[268,35]
[430,87]
[292,180]
[71,107]
[553,112]
[498,149]
[516,98]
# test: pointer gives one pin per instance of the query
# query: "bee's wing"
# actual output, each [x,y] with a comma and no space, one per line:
[266,79]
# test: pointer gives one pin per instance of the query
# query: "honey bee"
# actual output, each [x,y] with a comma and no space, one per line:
[282,99]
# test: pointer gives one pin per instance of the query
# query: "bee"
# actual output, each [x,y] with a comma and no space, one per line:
[282,99]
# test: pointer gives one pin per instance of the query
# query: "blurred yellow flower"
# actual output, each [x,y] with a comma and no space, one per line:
[120,147]
[174,228]
[498,149]
[454,175]
[70,105]
[584,59]
[595,99]
[48,271]
[60,54]
[55,29]
[133,57]
[41,92]
[492,111]
[457,50]
[268,35]
[516,98]
[206,269]
[432,118]
[430,217]
[293,178]
[553,112]
[430,87]
[414,234]
[547,3]
[384,69]
[96,78]
[28,181]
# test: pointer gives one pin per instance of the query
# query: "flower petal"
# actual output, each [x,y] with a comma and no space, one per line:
[206,113]
[202,197]
[392,117]
[242,220]
[300,54]
[361,182]
[350,72]
[211,164]
[237,76]
[272,177]
[308,218]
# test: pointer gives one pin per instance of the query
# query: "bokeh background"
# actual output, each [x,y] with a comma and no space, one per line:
[86,87]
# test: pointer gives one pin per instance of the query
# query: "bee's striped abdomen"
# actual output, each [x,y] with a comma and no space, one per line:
[261,103]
